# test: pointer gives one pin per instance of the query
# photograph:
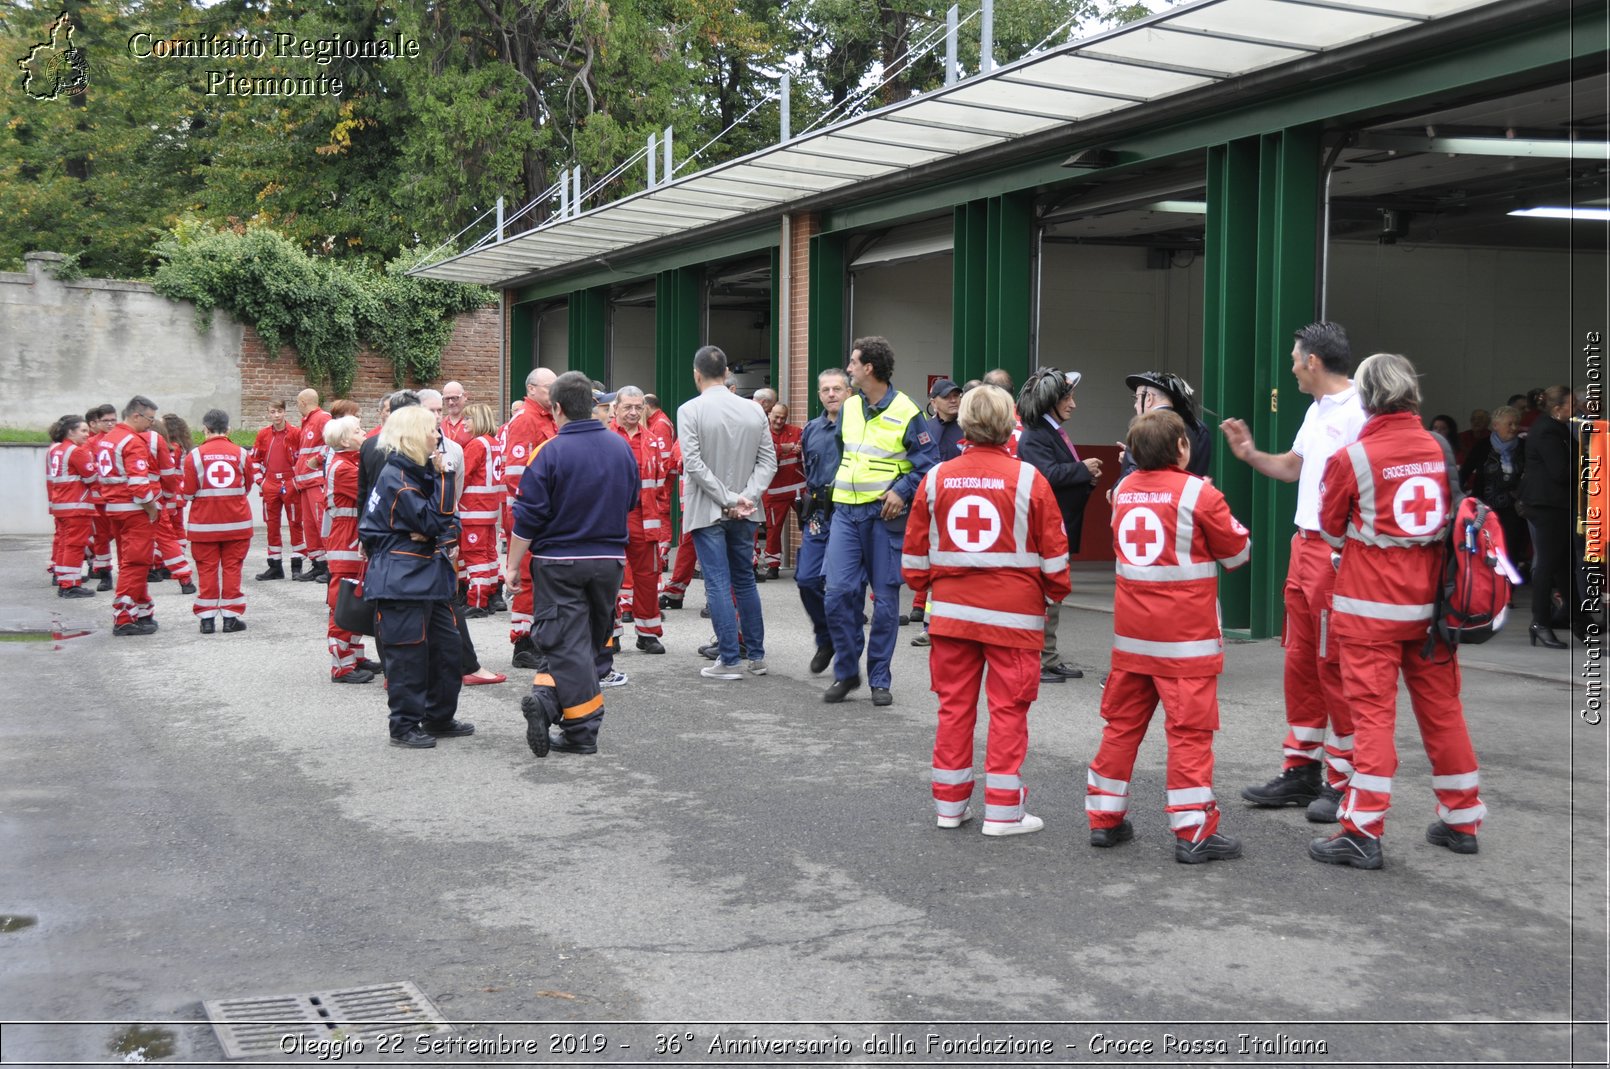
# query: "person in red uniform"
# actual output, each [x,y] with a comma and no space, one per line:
[1172,530]
[644,523]
[342,554]
[309,481]
[274,455]
[985,540]
[521,437]
[660,425]
[180,443]
[454,424]
[778,501]
[70,483]
[1385,504]
[101,419]
[168,559]
[129,484]
[675,590]
[217,477]
[479,508]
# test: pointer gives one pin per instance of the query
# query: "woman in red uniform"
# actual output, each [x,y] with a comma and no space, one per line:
[70,481]
[985,539]
[479,508]
[343,435]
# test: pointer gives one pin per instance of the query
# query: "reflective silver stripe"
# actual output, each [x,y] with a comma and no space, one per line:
[1378,784]
[72,506]
[1308,734]
[652,484]
[343,554]
[975,615]
[652,525]
[1053,565]
[872,450]
[350,514]
[916,564]
[1290,752]
[953,776]
[489,514]
[1366,490]
[1186,818]
[872,486]
[1185,520]
[1240,558]
[800,485]
[234,491]
[1166,573]
[1021,500]
[1207,647]
[1382,541]
[1340,764]
[116,480]
[1381,610]
[1003,814]
[513,469]
[1460,782]
[955,559]
[648,621]
[950,809]
[1190,796]
[1340,743]
[1102,783]
[239,525]
[1106,803]
[126,506]
[994,782]
[1474,815]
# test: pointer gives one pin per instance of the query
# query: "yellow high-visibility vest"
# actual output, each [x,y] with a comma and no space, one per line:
[874,453]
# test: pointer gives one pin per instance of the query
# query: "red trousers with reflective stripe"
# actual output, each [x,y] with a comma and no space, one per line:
[101,545]
[956,669]
[280,496]
[1190,717]
[74,535]
[643,573]
[346,647]
[166,549]
[313,506]
[477,561]
[778,509]
[1370,681]
[218,566]
[1315,709]
[687,558]
[135,536]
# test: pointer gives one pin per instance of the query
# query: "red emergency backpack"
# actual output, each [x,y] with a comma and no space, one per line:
[1474,600]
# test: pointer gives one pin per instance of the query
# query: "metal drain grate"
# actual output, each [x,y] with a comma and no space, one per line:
[277,1025]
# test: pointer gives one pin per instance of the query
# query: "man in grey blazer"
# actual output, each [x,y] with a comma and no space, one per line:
[728,458]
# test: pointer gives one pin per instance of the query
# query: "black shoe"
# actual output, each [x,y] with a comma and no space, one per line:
[414,740]
[1105,837]
[881,696]
[296,567]
[916,616]
[649,644]
[628,618]
[448,729]
[1048,676]
[158,575]
[1295,786]
[704,613]
[187,588]
[364,664]
[771,571]
[275,570]
[1439,834]
[1322,810]
[698,573]
[905,618]
[127,630]
[712,652]
[561,744]
[1067,671]
[148,625]
[74,592]
[320,573]
[476,612]
[760,575]
[823,658]
[299,576]
[1215,847]
[357,675]
[105,576]
[668,602]
[208,627]
[233,623]
[495,603]
[1546,636]
[536,713]
[839,688]
[1345,848]
[526,655]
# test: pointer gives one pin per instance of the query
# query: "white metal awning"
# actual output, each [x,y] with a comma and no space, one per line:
[1176,51]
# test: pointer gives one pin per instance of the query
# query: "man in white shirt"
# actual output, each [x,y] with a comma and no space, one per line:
[1317,718]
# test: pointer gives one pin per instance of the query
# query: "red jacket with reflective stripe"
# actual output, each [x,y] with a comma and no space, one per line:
[790,477]
[70,480]
[311,450]
[1384,502]
[484,492]
[985,538]
[166,466]
[274,452]
[520,438]
[217,475]
[124,470]
[340,532]
[650,517]
[1171,530]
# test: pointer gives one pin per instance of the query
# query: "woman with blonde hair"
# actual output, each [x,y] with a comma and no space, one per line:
[479,507]
[342,436]
[409,529]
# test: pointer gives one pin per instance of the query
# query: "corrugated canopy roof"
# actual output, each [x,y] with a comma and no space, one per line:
[1173,52]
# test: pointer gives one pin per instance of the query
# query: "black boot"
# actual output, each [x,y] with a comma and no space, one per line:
[496,603]
[275,570]
[1298,785]
[105,577]
[525,653]
[296,567]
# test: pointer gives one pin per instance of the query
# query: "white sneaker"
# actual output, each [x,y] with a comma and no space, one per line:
[614,679]
[757,668]
[954,822]
[1029,823]
[721,671]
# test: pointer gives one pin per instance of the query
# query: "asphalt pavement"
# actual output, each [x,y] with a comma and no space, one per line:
[189,817]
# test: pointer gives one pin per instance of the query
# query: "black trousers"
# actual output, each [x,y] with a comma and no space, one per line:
[421,647]
[468,661]
[573,616]
[1552,568]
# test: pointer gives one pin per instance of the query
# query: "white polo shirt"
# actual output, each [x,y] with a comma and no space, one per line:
[1332,422]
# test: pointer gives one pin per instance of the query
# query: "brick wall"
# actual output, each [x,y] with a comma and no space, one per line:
[471,357]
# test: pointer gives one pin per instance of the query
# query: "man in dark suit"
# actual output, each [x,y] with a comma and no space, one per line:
[1044,405]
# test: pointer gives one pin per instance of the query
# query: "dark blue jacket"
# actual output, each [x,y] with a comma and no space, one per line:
[409,498]
[576,492]
[947,437]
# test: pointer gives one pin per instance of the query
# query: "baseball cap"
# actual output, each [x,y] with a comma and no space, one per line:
[943,388]
[602,398]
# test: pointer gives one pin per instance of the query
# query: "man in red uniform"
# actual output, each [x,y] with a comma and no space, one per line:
[453,423]
[124,472]
[168,558]
[309,480]
[985,539]
[660,426]
[520,439]
[101,419]
[1172,531]
[70,483]
[1385,503]
[784,490]
[274,456]
[645,523]
[218,474]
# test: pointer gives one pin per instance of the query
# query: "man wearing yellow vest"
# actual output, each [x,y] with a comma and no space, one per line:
[886,450]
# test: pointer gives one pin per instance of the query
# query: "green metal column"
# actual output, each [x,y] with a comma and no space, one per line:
[589,332]
[1007,304]
[969,286]
[522,335]
[678,333]
[1260,285]
[825,309]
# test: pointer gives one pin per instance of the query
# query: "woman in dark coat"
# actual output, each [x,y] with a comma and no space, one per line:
[409,529]
[1492,472]
[1547,500]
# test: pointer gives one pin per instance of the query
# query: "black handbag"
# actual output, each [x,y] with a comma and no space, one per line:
[352,613]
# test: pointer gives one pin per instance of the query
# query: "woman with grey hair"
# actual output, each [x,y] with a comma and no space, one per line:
[1386,505]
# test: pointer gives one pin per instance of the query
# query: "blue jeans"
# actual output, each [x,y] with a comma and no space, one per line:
[862,551]
[726,550]
[812,584]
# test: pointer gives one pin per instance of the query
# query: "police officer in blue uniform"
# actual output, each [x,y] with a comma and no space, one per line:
[820,445]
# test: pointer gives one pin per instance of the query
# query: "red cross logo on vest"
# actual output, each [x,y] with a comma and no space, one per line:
[221,474]
[103,461]
[1140,536]
[974,524]
[1417,506]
